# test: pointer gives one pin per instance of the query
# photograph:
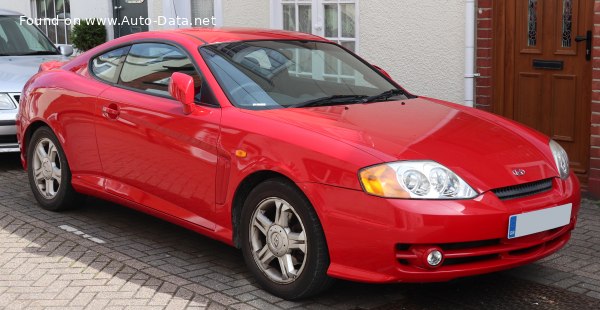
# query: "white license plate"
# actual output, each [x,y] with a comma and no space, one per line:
[537,221]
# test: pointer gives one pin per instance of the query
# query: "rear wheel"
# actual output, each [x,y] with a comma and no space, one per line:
[283,241]
[49,173]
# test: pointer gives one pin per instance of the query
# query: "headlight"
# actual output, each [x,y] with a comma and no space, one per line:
[414,180]
[6,103]
[560,158]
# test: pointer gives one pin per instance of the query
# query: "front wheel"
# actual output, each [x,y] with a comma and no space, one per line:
[283,241]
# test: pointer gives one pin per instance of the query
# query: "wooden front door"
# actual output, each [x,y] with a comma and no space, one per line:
[545,71]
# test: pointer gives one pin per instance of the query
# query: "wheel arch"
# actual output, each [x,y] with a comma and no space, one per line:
[31,128]
[243,190]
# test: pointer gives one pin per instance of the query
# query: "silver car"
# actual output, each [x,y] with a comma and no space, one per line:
[23,48]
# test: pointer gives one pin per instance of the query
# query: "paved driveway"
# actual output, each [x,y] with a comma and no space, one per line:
[106,256]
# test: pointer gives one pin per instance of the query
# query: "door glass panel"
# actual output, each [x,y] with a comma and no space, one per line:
[567,23]
[106,66]
[149,66]
[348,22]
[532,23]
[289,17]
[331,20]
[305,18]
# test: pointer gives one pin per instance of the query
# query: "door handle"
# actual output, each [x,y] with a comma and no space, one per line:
[588,44]
[111,111]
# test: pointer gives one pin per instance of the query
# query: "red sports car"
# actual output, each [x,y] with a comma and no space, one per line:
[311,160]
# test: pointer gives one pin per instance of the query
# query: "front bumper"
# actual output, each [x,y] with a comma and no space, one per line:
[372,239]
[8,136]
[8,130]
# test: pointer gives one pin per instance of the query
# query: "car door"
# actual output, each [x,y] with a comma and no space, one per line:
[151,152]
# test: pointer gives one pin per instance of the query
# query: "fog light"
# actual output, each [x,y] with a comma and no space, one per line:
[434,258]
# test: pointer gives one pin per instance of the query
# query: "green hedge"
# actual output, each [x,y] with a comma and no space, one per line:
[88,34]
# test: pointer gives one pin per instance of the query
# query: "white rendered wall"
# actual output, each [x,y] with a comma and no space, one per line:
[246,13]
[421,43]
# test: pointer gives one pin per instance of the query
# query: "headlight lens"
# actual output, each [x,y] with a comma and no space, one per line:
[6,103]
[560,158]
[414,180]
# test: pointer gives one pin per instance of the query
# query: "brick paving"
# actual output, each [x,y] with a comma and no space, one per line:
[107,256]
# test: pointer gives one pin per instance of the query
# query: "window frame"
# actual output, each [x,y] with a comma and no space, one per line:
[217,13]
[318,17]
[210,101]
[67,28]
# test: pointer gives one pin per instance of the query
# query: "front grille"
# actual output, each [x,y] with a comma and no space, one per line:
[523,190]
[17,98]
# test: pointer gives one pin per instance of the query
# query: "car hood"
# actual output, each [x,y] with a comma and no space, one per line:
[481,148]
[16,70]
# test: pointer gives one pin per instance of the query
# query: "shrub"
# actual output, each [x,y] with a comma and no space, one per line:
[88,34]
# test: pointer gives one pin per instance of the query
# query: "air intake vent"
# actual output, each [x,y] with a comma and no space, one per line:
[523,190]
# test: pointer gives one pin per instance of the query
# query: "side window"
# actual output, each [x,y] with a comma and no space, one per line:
[149,66]
[106,66]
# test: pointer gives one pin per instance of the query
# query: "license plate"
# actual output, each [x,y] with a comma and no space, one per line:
[537,221]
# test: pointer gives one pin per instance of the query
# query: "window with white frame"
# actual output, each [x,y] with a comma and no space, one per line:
[54,12]
[335,20]
[207,9]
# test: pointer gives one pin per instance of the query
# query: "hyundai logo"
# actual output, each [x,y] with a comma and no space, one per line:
[519,172]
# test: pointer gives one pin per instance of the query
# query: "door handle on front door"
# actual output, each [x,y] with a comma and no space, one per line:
[111,111]
[588,44]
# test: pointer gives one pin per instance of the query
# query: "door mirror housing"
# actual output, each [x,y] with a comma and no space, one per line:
[65,50]
[383,72]
[181,88]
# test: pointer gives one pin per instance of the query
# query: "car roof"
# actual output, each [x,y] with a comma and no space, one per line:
[9,13]
[224,35]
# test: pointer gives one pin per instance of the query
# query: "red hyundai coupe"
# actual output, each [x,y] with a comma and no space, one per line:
[311,160]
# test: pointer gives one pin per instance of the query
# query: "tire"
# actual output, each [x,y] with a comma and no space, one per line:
[49,172]
[277,241]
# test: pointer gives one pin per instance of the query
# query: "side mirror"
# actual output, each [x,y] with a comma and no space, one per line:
[181,88]
[65,50]
[383,72]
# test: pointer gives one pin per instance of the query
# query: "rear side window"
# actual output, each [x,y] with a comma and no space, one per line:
[149,66]
[106,66]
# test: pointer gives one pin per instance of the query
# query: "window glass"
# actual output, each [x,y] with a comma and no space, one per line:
[17,39]
[202,10]
[106,66]
[149,66]
[57,30]
[263,74]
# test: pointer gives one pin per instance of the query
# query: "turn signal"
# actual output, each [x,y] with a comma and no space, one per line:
[382,181]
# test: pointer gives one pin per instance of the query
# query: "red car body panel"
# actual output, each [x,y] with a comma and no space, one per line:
[183,168]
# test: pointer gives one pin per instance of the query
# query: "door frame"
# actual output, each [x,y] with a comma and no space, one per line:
[503,62]
[116,13]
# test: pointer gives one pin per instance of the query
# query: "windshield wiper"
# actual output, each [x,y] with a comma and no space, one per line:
[383,96]
[40,53]
[335,99]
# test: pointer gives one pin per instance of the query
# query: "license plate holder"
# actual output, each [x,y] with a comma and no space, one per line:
[529,223]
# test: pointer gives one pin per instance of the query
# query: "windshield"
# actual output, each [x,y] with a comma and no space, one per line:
[19,39]
[282,74]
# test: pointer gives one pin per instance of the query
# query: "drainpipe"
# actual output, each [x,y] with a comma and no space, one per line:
[470,74]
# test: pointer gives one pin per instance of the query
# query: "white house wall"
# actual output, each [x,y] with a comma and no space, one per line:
[246,13]
[419,42]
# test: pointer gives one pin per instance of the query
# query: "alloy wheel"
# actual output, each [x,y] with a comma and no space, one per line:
[47,168]
[278,240]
